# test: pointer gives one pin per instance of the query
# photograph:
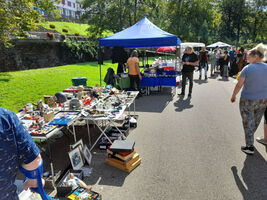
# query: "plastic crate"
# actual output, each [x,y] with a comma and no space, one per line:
[79,81]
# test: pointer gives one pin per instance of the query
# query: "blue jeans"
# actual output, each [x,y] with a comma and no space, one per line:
[205,66]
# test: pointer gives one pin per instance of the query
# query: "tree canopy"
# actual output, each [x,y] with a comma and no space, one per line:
[233,21]
[17,17]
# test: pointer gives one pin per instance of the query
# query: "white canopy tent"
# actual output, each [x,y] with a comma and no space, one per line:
[192,44]
[218,44]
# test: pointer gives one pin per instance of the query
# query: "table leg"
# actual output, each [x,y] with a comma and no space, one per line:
[102,133]
[88,132]
[74,133]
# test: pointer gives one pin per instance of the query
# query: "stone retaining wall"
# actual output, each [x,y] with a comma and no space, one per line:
[36,53]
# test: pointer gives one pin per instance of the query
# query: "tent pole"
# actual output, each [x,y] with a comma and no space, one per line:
[99,62]
[143,59]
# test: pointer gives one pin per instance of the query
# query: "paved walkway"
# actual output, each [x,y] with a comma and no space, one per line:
[190,150]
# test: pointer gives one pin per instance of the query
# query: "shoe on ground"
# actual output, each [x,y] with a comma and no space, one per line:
[248,150]
[181,94]
[199,78]
[206,77]
[189,95]
[262,141]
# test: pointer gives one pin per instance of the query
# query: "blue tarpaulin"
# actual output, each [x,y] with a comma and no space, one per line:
[143,34]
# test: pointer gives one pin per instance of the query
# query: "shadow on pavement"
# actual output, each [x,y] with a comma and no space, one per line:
[155,102]
[104,174]
[223,79]
[182,104]
[253,182]
[200,81]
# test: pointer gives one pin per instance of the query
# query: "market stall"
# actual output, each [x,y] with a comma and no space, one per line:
[101,105]
[141,35]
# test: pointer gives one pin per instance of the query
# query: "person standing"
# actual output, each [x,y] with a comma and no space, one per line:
[253,100]
[213,60]
[240,59]
[190,60]
[17,151]
[134,71]
[203,62]
[232,55]
[225,61]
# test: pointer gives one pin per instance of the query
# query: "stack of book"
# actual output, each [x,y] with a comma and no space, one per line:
[122,155]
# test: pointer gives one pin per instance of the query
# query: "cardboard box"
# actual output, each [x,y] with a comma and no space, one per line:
[49,116]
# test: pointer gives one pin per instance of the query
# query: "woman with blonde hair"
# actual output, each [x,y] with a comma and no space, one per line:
[253,100]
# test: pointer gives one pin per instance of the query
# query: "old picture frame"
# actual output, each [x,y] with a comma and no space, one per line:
[87,154]
[79,142]
[76,158]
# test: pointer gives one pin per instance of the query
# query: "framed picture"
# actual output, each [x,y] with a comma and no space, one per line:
[80,142]
[87,154]
[76,158]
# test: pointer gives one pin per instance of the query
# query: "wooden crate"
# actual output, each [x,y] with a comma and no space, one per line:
[119,165]
[128,163]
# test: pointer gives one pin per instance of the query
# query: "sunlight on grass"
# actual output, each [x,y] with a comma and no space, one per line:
[19,88]
[73,28]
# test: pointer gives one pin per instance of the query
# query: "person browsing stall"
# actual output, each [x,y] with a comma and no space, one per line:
[134,71]
[18,151]
[253,100]
[190,60]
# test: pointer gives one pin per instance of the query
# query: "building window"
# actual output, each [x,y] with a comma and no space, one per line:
[63,2]
[69,3]
[73,5]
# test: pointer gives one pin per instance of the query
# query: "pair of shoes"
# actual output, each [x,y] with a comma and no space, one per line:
[181,94]
[248,150]
[261,140]
[206,77]
[189,95]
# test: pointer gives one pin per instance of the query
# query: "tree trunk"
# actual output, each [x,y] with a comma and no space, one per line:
[135,10]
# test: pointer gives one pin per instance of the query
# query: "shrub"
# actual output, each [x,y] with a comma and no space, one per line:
[51,36]
[65,30]
[62,37]
[37,21]
[77,34]
[52,26]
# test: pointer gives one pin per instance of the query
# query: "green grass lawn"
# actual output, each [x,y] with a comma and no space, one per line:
[29,86]
[72,28]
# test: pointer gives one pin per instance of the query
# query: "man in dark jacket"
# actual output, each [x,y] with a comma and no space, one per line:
[203,62]
[190,60]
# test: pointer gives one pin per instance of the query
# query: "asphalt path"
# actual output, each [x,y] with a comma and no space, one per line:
[190,150]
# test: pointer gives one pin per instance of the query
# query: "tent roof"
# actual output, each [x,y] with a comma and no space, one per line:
[143,34]
[192,44]
[218,44]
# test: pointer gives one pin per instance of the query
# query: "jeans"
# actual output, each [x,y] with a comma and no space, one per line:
[188,75]
[205,66]
[134,79]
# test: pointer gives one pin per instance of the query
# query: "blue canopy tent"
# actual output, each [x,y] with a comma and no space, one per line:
[141,35]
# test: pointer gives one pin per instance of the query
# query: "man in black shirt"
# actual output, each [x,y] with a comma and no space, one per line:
[190,60]
[203,60]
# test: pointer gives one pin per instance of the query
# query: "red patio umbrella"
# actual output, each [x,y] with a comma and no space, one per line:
[163,49]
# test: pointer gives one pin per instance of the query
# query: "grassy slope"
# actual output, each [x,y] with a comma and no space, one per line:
[71,27]
[22,87]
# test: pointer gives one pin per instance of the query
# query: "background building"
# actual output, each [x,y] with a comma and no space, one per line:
[70,8]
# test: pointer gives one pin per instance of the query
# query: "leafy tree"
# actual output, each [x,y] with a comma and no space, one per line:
[115,15]
[234,13]
[256,20]
[17,17]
